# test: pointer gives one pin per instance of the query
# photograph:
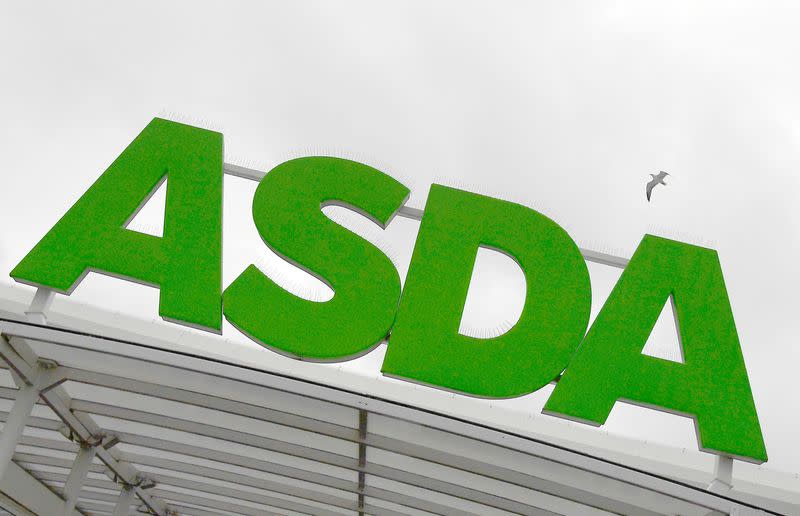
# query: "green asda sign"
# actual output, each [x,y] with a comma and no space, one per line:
[550,341]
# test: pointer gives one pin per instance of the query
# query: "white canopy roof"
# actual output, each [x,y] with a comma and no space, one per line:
[198,433]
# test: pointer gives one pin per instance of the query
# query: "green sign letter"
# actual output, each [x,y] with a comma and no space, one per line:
[287,212]
[186,263]
[711,385]
[425,345]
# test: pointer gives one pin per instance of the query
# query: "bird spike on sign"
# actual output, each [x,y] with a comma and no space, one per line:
[548,342]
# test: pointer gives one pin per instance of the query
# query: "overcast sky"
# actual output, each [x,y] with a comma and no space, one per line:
[564,106]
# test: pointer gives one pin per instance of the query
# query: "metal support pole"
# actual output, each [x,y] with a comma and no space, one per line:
[124,501]
[80,468]
[39,305]
[416,214]
[26,398]
[362,459]
[723,475]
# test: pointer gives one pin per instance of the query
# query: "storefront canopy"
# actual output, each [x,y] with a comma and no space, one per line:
[179,433]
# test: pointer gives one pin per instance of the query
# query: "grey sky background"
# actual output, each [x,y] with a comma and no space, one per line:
[564,106]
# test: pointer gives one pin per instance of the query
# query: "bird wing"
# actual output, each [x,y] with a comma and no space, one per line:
[649,188]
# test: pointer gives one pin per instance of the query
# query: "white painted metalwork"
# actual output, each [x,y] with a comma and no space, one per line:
[77,476]
[58,400]
[723,475]
[198,435]
[42,300]
[126,496]
[24,400]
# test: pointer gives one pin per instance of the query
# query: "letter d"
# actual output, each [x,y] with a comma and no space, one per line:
[425,345]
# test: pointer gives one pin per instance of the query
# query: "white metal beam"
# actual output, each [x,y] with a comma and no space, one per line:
[26,495]
[203,472]
[198,491]
[217,474]
[723,475]
[573,489]
[325,457]
[27,459]
[126,495]
[25,399]
[416,214]
[222,505]
[77,475]
[369,492]
[122,358]
[238,494]
[37,312]
[55,399]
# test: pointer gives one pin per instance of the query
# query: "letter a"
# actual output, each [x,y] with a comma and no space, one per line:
[185,264]
[710,386]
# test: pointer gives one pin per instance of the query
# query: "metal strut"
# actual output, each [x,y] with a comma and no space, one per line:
[362,458]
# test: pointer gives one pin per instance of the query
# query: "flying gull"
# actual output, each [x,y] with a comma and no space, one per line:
[658,179]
